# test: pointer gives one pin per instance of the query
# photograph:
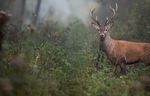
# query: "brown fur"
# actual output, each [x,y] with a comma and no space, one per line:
[124,52]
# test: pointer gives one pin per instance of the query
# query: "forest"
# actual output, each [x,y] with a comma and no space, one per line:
[50,48]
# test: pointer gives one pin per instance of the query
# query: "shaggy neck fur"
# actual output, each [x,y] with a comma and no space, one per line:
[108,44]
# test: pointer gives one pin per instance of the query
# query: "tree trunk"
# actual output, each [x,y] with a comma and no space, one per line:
[37,10]
[22,12]
[18,13]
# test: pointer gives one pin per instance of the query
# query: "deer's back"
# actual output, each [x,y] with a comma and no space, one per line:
[129,51]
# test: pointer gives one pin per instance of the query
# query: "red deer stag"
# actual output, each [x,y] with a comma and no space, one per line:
[4,17]
[120,52]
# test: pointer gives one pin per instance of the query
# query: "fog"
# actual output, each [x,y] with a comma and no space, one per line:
[62,10]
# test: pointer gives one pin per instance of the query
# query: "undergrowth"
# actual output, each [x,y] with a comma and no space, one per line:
[37,64]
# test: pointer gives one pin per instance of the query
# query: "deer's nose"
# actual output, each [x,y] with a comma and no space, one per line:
[102,35]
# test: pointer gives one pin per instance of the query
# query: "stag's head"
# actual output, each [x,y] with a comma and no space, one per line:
[4,17]
[103,28]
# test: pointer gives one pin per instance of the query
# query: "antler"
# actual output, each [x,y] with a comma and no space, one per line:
[110,20]
[92,16]
[4,13]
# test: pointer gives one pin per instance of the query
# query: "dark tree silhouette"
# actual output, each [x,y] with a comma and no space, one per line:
[37,10]
[4,17]
[23,3]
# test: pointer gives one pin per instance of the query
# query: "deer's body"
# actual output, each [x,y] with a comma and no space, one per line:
[120,51]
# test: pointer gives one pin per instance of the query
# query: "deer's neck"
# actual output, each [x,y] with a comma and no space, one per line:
[108,44]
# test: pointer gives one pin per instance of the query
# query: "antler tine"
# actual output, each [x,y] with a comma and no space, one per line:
[116,7]
[92,16]
[114,10]
[92,11]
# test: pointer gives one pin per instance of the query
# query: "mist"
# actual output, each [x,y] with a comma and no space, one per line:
[62,10]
